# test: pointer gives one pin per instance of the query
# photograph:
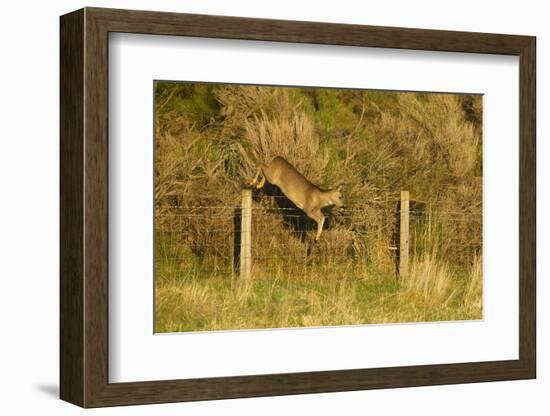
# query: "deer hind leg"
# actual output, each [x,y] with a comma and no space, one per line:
[262,181]
[259,179]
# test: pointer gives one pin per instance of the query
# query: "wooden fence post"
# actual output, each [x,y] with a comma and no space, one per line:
[404,235]
[246,234]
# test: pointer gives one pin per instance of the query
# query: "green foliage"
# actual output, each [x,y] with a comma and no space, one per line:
[194,102]
[334,116]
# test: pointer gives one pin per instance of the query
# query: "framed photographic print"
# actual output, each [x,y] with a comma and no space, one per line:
[255,207]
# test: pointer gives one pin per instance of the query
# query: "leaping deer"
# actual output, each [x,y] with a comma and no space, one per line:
[305,195]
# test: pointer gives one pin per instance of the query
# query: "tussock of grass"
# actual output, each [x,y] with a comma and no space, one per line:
[473,299]
[429,280]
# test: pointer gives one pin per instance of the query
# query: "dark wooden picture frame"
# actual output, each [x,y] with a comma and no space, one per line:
[84,207]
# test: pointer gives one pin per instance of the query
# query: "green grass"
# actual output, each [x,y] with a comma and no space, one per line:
[343,294]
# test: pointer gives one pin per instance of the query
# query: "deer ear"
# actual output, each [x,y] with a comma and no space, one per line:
[340,188]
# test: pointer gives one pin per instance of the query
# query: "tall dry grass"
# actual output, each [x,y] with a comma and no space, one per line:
[473,296]
[430,280]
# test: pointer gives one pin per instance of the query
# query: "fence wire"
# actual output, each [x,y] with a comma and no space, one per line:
[205,239]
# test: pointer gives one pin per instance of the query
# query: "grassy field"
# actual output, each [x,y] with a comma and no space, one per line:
[336,296]
[338,293]
[209,140]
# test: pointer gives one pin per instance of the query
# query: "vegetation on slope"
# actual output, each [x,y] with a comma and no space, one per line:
[209,142]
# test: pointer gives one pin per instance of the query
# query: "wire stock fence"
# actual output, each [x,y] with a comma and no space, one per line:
[269,235]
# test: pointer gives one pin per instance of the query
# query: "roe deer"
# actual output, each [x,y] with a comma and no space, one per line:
[305,195]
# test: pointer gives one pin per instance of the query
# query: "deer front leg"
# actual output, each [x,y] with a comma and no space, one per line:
[320,228]
[319,218]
